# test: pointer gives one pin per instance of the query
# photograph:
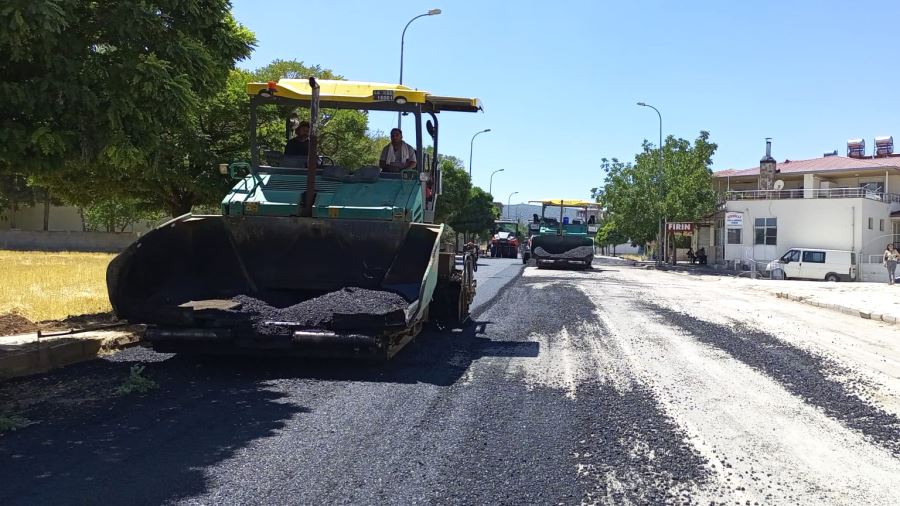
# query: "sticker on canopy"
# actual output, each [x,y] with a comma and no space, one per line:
[251,207]
[383,95]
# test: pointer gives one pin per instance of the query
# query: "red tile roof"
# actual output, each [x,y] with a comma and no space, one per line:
[824,164]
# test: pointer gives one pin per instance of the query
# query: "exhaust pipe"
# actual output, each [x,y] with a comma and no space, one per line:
[310,196]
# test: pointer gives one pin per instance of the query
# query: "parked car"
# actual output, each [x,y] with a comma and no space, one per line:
[814,263]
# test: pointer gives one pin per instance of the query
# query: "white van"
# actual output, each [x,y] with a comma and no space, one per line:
[814,263]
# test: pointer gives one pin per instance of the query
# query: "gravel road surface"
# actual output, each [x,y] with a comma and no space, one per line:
[614,385]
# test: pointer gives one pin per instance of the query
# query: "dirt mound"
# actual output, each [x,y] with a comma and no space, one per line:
[12,323]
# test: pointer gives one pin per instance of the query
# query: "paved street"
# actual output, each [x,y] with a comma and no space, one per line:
[613,386]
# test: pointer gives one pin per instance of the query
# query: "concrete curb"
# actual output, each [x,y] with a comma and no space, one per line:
[886,318]
[43,356]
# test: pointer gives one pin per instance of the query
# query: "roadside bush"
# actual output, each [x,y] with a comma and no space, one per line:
[136,382]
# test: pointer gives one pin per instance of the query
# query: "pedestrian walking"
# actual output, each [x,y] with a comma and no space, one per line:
[890,259]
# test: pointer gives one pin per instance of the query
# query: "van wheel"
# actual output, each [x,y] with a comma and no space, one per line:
[832,277]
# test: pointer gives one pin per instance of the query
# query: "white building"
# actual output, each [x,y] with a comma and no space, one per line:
[833,202]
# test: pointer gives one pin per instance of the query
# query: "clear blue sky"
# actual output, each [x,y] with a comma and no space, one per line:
[559,84]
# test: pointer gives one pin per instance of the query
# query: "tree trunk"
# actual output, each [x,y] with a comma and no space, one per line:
[12,215]
[179,207]
[46,210]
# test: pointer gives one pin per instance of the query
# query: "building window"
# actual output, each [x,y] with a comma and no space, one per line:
[816,257]
[881,224]
[734,236]
[765,231]
[871,221]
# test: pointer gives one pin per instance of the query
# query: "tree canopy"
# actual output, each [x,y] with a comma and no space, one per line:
[99,83]
[456,188]
[636,195]
[477,215]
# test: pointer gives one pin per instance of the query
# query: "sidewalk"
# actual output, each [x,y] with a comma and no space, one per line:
[873,301]
[25,354]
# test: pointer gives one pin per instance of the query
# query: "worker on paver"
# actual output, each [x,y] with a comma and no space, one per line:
[890,259]
[299,145]
[397,155]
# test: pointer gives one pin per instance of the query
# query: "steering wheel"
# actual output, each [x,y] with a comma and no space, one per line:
[328,144]
[325,161]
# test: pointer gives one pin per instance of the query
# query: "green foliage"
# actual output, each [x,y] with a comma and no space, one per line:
[477,215]
[636,195]
[116,214]
[12,421]
[100,84]
[456,188]
[136,382]
[610,235]
[15,191]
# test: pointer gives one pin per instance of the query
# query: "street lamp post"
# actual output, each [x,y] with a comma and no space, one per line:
[507,204]
[659,236]
[471,144]
[432,12]
[491,183]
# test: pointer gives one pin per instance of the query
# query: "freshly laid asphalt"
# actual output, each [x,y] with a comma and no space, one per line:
[556,393]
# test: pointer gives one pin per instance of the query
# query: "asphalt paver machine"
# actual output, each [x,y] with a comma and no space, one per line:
[296,230]
[558,239]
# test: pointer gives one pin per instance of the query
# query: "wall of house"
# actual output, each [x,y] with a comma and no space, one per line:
[840,223]
[62,219]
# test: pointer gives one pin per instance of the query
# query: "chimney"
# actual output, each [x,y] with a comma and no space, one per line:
[767,168]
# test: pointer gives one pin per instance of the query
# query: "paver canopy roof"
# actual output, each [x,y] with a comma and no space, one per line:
[362,93]
[565,202]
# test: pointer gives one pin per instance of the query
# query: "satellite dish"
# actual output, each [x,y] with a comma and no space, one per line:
[779,184]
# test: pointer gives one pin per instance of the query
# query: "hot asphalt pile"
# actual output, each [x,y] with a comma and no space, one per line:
[319,312]
[578,253]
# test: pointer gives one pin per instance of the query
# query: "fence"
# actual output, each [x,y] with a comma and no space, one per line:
[800,193]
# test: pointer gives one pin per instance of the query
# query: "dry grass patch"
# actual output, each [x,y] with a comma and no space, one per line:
[52,286]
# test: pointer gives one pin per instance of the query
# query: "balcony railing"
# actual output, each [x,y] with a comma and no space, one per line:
[800,193]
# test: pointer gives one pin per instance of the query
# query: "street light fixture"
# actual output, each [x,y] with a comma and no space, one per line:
[507,203]
[472,143]
[491,184]
[432,12]
[659,236]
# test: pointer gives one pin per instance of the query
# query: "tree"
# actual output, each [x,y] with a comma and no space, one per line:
[117,214]
[477,215]
[100,84]
[609,235]
[638,194]
[456,189]
[184,169]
